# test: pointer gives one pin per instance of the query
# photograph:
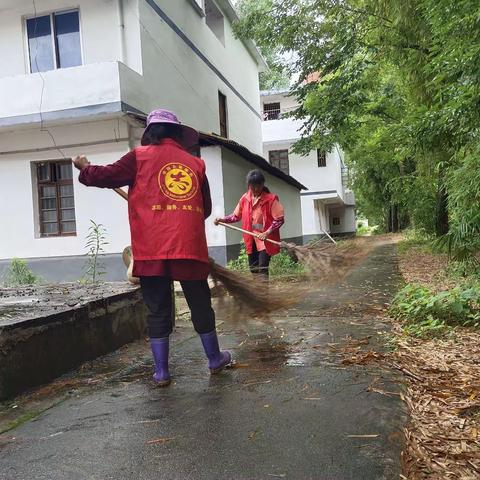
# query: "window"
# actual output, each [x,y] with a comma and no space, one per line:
[56,206]
[336,221]
[321,158]
[279,159]
[54,41]
[215,20]
[222,106]
[271,111]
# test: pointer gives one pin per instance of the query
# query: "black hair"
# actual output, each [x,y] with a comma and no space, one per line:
[256,177]
[156,132]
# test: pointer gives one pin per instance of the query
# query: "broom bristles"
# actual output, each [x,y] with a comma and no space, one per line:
[254,295]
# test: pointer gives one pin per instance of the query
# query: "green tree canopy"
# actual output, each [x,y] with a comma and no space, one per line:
[398,90]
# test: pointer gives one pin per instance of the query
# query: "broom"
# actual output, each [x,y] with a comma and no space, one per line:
[254,296]
[315,255]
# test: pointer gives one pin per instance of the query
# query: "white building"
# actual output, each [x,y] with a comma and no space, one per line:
[328,205]
[72,78]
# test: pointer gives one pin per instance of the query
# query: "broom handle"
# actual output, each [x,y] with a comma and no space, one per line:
[228,225]
[124,195]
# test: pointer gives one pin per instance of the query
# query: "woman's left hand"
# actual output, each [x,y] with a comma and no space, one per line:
[264,235]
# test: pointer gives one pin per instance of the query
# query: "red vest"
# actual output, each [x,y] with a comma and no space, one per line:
[266,202]
[165,205]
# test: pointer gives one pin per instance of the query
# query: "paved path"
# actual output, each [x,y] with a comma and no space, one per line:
[286,412]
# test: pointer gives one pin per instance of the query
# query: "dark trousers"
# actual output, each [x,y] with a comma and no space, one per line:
[259,261]
[157,295]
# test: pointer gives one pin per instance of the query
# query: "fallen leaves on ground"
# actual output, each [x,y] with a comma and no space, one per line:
[352,352]
[442,393]
[428,269]
[160,441]
[442,437]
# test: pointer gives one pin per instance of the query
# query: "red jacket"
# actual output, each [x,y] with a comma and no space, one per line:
[246,207]
[166,204]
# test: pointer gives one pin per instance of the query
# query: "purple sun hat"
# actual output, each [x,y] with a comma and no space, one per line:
[189,136]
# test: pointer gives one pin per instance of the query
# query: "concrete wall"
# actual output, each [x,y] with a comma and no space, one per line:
[176,78]
[306,170]
[347,219]
[27,358]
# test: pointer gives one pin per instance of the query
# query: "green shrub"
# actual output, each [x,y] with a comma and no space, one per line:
[280,265]
[425,312]
[463,269]
[362,229]
[19,274]
[241,263]
[284,265]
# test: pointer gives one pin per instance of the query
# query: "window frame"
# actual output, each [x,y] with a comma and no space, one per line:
[278,151]
[323,160]
[266,113]
[51,14]
[336,222]
[57,184]
[221,96]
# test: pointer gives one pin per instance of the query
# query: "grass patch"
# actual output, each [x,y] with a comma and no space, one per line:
[24,418]
[19,274]
[426,313]
[281,265]
[415,239]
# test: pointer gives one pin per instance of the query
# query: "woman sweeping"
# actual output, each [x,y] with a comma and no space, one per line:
[169,200]
[261,213]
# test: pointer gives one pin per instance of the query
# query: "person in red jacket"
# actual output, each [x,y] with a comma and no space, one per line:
[261,213]
[169,200]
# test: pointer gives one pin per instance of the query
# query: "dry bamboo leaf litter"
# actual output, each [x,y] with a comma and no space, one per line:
[443,398]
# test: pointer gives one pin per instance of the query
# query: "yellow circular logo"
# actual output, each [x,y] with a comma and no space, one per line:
[178,182]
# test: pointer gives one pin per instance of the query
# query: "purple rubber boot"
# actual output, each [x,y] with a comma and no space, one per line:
[217,360]
[160,357]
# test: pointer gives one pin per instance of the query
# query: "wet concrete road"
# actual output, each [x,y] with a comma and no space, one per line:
[288,410]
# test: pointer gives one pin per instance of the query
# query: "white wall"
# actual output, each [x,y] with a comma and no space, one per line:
[18,191]
[235,170]
[59,89]
[174,77]
[164,71]
[99,24]
[306,170]
[213,160]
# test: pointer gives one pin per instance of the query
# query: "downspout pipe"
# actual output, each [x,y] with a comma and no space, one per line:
[121,26]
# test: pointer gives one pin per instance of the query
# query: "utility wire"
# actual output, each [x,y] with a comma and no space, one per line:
[42,126]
